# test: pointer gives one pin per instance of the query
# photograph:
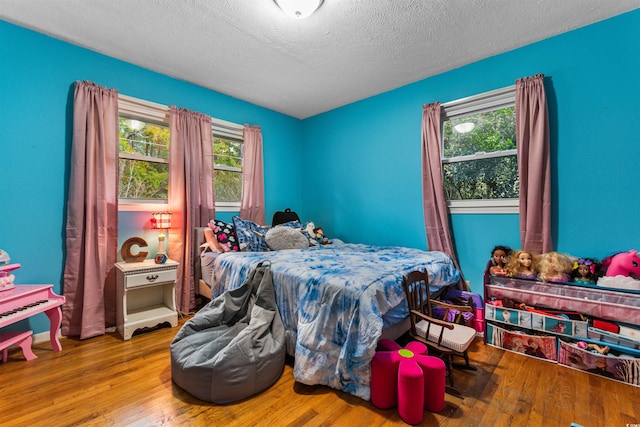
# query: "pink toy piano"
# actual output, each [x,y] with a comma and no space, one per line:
[20,302]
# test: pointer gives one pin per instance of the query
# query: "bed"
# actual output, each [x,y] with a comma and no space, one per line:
[336,301]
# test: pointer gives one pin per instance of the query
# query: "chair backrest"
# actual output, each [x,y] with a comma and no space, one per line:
[416,289]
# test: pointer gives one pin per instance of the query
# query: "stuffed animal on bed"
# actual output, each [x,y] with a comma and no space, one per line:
[315,234]
[320,237]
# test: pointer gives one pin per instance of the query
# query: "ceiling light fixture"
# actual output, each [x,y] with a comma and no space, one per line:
[298,9]
[464,127]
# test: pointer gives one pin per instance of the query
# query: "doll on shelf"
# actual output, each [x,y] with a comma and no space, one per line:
[584,271]
[554,267]
[522,265]
[498,262]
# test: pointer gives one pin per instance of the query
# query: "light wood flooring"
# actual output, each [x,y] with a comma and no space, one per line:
[105,381]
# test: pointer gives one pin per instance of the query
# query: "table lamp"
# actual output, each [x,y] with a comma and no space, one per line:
[161,221]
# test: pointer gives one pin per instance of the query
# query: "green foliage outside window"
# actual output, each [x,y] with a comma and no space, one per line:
[144,164]
[227,177]
[144,161]
[488,176]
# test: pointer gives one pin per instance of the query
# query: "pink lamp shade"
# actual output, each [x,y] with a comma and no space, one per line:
[161,220]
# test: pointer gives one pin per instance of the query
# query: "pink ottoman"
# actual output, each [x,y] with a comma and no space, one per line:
[409,378]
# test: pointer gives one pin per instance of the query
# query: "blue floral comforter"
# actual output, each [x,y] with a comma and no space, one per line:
[335,300]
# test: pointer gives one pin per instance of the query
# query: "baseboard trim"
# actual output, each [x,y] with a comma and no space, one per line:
[44,337]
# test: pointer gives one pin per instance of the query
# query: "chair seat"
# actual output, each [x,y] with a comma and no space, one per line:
[457,339]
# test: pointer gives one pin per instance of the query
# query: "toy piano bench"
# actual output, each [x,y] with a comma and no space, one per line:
[21,339]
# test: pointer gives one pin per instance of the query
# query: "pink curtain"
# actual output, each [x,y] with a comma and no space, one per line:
[92,214]
[252,205]
[191,199]
[436,215]
[534,164]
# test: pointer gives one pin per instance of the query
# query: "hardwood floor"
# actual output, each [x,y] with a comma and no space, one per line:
[105,381]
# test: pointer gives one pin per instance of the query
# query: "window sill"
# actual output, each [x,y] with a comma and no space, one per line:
[227,208]
[143,207]
[162,207]
[496,206]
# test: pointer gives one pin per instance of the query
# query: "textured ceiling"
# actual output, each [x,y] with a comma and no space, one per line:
[348,50]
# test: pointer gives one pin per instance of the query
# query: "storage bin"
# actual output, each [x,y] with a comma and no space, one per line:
[508,315]
[612,338]
[557,325]
[623,369]
[539,346]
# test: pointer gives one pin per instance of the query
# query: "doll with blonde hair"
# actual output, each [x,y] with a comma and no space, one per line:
[554,267]
[522,265]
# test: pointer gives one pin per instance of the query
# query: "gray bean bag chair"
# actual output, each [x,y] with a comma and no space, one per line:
[234,346]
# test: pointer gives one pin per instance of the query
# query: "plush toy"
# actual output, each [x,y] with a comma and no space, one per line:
[624,264]
[311,235]
[320,237]
[315,234]
[622,271]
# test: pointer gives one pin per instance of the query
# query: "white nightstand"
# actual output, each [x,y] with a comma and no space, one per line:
[145,295]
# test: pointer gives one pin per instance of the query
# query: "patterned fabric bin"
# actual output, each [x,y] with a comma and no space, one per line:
[540,346]
[623,369]
[574,328]
[508,315]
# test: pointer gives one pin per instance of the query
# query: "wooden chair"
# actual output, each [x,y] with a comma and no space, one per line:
[449,339]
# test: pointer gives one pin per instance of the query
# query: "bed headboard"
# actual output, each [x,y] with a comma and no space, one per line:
[197,241]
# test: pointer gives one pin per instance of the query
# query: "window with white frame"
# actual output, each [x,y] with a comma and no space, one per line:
[479,161]
[143,162]
[228,150]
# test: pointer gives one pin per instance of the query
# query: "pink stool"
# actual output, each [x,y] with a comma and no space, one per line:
[409,378]
[21,339]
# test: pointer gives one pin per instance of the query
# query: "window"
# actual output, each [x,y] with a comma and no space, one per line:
[144,157]
[143,164]
[228,145]
[479,163]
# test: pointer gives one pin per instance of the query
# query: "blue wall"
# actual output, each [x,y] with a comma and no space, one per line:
[368,183]
[363,184]
[36,100]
